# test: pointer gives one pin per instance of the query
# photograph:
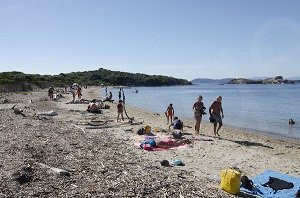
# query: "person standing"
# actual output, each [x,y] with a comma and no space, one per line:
[73,91]
[120,94]
[51,92]
[198,108]
[170,113]
[120,109]
[79,94]
[215,111]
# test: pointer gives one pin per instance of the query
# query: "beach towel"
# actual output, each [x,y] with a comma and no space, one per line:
[272,184]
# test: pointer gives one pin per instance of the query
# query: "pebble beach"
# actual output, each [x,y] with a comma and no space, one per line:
[80,154]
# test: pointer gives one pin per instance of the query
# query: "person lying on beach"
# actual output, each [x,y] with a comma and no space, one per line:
[165,143]
[169,143]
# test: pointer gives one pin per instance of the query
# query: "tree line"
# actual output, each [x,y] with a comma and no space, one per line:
[88,78]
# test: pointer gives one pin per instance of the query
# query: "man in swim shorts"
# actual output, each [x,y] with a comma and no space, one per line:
[215,111]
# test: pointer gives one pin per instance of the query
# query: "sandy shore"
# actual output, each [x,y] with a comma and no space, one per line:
[103,162]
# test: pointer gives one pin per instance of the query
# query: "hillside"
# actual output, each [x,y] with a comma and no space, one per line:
[89,78]
[208,80]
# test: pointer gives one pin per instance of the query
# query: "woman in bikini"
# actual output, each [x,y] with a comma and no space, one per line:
[198,109]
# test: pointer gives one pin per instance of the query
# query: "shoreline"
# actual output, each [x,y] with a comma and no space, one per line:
[246,138]
[98,156]
[257,133]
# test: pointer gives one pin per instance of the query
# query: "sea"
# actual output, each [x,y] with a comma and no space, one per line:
[260,108]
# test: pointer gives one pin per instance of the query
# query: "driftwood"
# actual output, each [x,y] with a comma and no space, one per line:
[79,128]
[58,171]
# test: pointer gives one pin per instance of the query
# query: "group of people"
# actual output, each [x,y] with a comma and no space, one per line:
[215,111]
[75,90]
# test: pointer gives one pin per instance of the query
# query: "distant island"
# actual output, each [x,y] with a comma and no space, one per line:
[255,80]
[275,80]
[88,78]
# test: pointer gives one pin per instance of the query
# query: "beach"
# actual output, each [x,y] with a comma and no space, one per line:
[102,160]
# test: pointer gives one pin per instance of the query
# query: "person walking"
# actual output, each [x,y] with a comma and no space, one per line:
[169,113]
[215,111]
[198,108]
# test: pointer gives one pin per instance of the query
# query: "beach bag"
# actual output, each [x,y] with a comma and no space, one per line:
[230,180]
[247,183]
[147,129]
[141,131]
[212,120]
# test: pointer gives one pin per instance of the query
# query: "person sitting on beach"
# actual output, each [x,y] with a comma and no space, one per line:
[177,124]
[51,92]
[93,107]
[109,98]
[169,113]
[120,109]
[215,111]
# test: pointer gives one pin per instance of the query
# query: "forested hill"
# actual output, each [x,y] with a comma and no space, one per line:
[96,77]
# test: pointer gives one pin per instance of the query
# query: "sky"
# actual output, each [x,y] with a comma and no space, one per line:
[181,38]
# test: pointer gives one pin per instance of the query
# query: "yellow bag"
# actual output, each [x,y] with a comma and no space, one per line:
[147,129]
[230,180]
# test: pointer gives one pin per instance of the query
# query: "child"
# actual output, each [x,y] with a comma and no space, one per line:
[120,109]
[169,113]
[177,124]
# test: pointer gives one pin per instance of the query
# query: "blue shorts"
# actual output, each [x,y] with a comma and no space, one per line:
[218,119]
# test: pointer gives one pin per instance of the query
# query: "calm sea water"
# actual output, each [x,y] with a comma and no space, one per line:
[260,108]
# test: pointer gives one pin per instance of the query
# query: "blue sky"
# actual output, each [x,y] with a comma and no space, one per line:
[185,39]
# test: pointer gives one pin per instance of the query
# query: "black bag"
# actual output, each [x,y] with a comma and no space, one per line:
[246,182]
[212,120]
[141,131]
